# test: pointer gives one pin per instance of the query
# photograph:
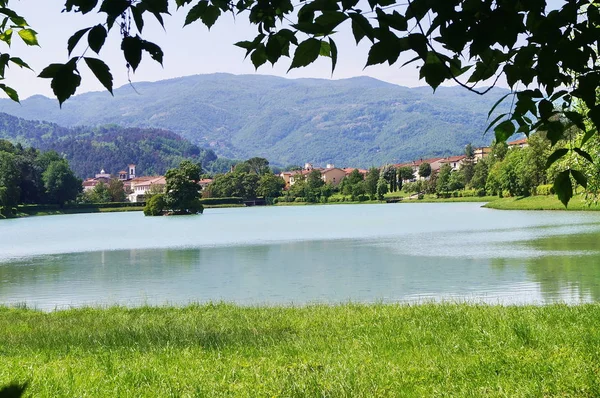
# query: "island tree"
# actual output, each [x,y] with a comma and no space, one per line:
[183,189]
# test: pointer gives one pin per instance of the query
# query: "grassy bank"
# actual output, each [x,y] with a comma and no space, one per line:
[337,351]
[541,203]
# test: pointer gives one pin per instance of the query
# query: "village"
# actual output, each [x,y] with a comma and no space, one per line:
[137,188]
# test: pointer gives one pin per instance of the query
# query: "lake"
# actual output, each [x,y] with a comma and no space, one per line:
[304,254]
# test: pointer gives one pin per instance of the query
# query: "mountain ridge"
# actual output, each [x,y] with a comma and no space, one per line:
[358,121]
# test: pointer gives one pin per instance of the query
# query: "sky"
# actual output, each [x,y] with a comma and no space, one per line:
[188,51]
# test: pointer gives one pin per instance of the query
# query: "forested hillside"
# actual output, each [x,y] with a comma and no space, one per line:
[109,147]
[358,121]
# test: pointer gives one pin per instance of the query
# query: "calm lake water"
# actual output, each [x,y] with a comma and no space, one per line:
[297,255]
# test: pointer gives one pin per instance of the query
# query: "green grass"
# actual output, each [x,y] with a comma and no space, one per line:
[550,202]
[314,351]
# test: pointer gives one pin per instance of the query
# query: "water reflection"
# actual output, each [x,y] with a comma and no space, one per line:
[299,272]
[469,254]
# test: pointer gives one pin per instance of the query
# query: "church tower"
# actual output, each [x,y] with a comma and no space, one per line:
[131,171]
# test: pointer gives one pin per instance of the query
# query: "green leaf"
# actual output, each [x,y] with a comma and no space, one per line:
[579,177]
[73,40]
[493,122]
[546,109]
[101,71]
[65,81]
[361,27]
[211,15]
[378,53]
[12,94]
[6,36]
[196,12]
[334,54]
[325,49]
[330,20]
[155,51]
[504,130]
[587,136]
[498,103]
[132,50]
[559,153]
[563,187]
[584,154]
[84,6]
[259,56]
[50,71]
[29,36]
[594,115]
[19,62]
[114,8]
[554,131]
[137,12]
[433,71]
[306,53]
[96,38]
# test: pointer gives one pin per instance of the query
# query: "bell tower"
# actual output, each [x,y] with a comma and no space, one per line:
[131,168]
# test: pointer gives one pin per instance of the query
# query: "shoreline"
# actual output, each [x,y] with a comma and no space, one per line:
[534,203]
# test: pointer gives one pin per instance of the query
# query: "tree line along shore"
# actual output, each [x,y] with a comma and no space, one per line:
[505,177]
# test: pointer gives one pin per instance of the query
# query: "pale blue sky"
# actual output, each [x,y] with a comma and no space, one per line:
[190,50]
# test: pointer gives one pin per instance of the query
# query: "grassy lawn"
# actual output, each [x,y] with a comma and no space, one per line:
[325,351]
[550,202]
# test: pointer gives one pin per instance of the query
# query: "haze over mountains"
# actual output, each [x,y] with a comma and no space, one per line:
[359,121]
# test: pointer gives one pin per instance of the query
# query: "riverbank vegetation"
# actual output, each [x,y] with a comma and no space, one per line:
[318,350]
[550,202]
[29,176]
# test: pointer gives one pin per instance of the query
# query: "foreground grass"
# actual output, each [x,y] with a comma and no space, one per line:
[338,351]
[541,203]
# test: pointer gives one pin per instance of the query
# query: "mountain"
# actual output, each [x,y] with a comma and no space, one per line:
[358,121]
[109,147]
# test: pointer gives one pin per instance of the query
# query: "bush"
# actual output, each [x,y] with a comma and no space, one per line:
[481,192]
[299,200]
[363,198]
[455,194]
[421,196]
[545,190]
[155,205]
[275,201]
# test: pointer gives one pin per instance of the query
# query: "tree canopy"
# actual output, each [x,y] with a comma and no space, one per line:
[547,56]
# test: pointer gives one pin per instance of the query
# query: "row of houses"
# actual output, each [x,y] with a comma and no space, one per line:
[456,162]
[329,174]
[138,187]
[135,187]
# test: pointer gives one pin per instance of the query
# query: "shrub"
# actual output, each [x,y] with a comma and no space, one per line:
[421,196]
[155,205]
[299,200]
[545,190]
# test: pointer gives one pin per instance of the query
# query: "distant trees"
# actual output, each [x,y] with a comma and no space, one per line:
[468,164]
[270,186]
[390,175]
[382,188]
[406,173]
[424,170]
[113,191]
[30,176]
[371,182]
[443,179]
[61,183]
